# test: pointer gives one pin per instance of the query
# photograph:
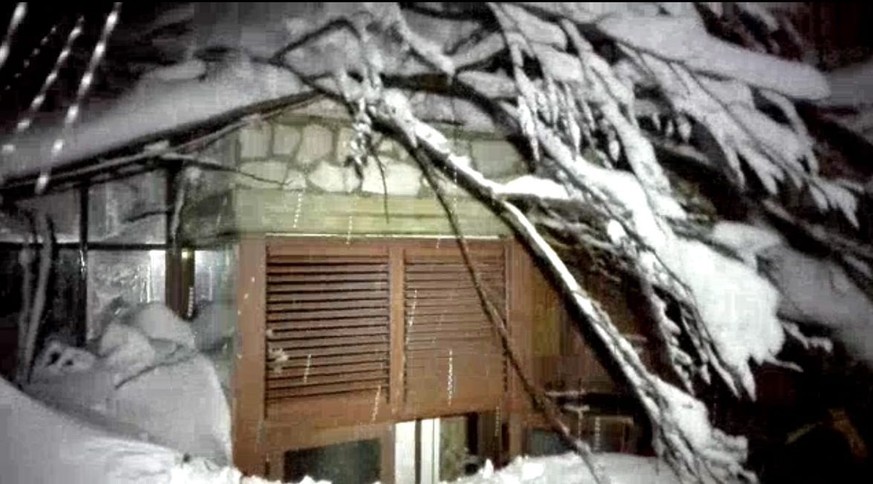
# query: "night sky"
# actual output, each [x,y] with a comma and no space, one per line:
[141,40]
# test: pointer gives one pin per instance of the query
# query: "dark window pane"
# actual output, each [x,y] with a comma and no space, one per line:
[129,209]
[61,207]
[542,442]
[214,275]
[349,462]
[62,309]
[61,313]
[455,456]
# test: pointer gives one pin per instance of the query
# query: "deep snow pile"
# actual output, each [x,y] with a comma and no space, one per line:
[147,378]
[41,444]
[569,469]
[145,407]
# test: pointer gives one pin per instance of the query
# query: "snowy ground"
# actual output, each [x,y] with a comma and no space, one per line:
[42,444]
[569,469]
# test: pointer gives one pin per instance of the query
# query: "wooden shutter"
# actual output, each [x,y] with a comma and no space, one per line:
[327,322]
[453,356]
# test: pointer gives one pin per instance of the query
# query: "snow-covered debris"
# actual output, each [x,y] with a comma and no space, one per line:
[569,469]
[685,40]
[42,444]
[157,321]
[165,390]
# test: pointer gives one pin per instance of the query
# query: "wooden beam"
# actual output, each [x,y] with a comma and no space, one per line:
[398,327]
[248,383]
[386,455]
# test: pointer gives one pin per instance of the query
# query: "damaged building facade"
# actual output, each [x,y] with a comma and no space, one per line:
[343,295]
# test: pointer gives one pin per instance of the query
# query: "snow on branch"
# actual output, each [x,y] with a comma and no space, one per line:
[578,82]
[684,435]
[598,181]
[684,40]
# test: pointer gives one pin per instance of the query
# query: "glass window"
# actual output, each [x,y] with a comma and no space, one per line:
[118,279]
[456,459]
[214,275]
[349,462]
[62,309]
[61,207]
[129,210]
[544,442]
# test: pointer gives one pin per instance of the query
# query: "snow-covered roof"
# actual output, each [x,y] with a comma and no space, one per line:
[166,101]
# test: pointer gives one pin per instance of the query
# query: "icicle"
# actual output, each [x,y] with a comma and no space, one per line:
[84,85]
[17,17]
[307,368]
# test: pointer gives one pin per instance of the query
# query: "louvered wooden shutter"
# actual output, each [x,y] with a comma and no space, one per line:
[328,327]
[453,356]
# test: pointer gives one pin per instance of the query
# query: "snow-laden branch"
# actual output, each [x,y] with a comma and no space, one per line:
[683,433]
[536,394]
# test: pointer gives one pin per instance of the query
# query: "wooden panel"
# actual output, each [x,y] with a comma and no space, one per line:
[249,377]
[397,329]
[454,356]
[377,330]
[336,339]
[521,314]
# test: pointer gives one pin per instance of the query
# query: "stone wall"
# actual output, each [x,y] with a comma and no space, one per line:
[295,177]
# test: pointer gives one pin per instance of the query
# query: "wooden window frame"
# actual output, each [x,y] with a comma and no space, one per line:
[265,430]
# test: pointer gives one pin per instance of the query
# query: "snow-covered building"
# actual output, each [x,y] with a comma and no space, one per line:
[344,297]
[410,237]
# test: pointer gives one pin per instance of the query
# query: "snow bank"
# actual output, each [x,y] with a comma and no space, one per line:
[42,445]
[160,390]
[569,469]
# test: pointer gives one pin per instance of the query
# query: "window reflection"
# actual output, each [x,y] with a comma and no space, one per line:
[119,279]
